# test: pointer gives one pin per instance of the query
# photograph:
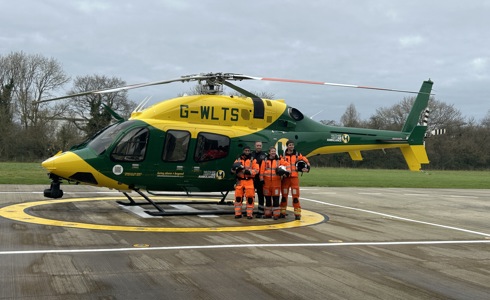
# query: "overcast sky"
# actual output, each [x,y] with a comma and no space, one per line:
[386,43]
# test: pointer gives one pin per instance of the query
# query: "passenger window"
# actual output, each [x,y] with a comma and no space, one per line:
[211,146]
[132,147]
[176,145]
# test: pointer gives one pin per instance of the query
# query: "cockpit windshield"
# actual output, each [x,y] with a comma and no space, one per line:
[104,139]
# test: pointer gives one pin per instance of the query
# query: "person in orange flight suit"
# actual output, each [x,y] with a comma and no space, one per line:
[270,175]
[294,162]
[245,168]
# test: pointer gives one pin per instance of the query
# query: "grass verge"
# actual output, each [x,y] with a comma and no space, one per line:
[33,173]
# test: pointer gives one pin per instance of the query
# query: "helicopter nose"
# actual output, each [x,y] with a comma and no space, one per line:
[71,166]
[62,164]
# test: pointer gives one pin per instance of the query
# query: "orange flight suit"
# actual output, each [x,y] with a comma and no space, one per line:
[272,185]
[245,186]
[291,182]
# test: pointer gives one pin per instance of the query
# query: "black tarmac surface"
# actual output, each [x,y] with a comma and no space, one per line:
[373,244]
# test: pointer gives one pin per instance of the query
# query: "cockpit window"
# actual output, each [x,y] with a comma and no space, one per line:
[211,146]
[104,139]
[132,147]
[176,145]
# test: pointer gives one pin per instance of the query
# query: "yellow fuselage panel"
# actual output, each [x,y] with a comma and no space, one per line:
[213,110]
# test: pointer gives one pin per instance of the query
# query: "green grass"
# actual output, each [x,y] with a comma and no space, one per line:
[33,173]
[23,173]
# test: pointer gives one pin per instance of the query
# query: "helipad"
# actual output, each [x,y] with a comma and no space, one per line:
[20,212]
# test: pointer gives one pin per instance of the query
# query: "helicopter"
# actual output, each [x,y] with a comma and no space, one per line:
[188,144]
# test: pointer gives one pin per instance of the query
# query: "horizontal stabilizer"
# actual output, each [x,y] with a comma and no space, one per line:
[355,155]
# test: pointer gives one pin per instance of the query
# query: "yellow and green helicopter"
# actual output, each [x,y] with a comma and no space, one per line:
[188,144]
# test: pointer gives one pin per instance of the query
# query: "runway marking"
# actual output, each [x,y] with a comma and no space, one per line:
[17,212]
[325,193]
[456,196]
[137,247]
[397,217]
[372,193]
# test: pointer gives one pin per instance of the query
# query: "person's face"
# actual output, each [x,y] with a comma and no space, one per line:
[290,147]
[272,152]
[258,147]
[246,151]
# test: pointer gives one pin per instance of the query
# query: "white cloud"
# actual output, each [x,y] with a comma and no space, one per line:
[480,64]
[410,41]
[479,68]
[91,6]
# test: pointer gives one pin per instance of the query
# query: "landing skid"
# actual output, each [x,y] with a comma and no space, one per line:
[161,212]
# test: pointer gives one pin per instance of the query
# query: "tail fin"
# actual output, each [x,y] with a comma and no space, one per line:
[419,105]
[415,154]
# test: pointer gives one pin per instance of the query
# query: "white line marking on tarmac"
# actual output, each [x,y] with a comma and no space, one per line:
[397,217]
[325,193]
[456,196]
[204,247]
[369,193]
[141,212]
[137,210]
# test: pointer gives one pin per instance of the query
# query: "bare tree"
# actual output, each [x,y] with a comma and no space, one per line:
[485,122]
[445,116]
[24,80]
[89,108]
[351,118]
[441,115]
[66,136]
[392,118]
[33,77]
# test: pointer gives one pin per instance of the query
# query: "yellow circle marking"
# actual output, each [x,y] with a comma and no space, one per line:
[17,212]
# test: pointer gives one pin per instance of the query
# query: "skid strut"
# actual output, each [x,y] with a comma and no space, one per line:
[161,212]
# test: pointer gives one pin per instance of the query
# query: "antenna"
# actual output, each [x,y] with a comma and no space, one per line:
[316,114]
[142,104]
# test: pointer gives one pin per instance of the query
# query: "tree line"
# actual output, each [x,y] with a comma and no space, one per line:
[31,130]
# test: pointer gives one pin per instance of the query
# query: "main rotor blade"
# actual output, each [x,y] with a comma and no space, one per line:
[140,85]
[129,87]
[221,78]
[325,83]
